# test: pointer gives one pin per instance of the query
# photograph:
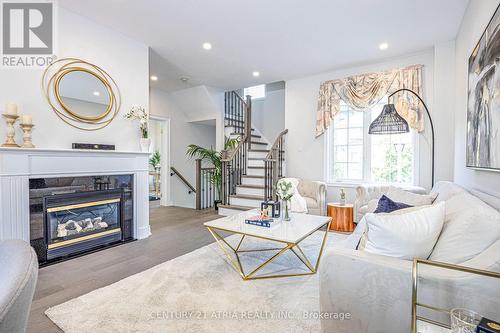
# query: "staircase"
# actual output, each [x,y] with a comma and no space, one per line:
[252,169]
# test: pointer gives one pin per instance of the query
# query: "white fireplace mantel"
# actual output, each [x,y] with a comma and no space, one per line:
[18,165]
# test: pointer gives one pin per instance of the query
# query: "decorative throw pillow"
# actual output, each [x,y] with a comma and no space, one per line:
[386,205]
[361,240]
[372,205]
[471,226]
[405,236]
[409,198]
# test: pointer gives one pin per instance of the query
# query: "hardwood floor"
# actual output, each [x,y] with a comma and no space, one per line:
[175,231]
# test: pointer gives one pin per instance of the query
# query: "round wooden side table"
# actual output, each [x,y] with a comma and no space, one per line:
[342,217]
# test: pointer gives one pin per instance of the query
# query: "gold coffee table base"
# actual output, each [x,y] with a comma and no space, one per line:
[281,250]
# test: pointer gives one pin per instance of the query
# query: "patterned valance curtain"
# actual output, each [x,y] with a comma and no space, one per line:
[361,92]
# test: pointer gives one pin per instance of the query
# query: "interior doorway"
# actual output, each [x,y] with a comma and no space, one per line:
[159,161]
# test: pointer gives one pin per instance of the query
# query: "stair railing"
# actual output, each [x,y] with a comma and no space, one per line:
[234,166]
[174,171]
[238,113]
[274,166]
[206,188]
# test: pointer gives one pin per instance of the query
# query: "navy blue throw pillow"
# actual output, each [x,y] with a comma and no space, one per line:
[386,205]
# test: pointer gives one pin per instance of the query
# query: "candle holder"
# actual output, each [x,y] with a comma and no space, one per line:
[27,128]
[11,132]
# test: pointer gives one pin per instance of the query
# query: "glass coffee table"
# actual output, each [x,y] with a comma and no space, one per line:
[288,234]
[424,327]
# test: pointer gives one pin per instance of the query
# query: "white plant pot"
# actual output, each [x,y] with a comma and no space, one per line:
[145,145]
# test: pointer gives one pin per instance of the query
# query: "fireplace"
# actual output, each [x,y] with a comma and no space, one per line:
[81,221]
[73,215]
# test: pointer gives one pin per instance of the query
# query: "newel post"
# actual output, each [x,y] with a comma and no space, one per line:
[198,183]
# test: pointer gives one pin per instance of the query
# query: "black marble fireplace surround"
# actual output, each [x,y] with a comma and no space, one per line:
[71,216]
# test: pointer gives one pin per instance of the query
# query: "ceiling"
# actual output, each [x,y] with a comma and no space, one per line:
[282,39]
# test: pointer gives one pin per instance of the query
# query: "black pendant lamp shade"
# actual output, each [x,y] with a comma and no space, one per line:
[389,122]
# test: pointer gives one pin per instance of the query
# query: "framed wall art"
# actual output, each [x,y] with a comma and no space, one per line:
[483,103]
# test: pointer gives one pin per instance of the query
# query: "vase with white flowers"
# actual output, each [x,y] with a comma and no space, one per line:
[285,191]
[139,113]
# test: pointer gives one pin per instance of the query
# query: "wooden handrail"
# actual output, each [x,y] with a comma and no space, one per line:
[269,156]
[184,180]
[239,97]
[274,166]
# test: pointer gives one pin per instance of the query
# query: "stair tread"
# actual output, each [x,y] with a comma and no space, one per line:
[251,186]
[256,158]
[253,135]
[258,143]
[255,167]
[226,125]
[234,120]
[237,207]
[251,176]
[259,150]
[247,196]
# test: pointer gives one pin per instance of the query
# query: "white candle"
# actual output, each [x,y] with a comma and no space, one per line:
[11,108]
[26,119]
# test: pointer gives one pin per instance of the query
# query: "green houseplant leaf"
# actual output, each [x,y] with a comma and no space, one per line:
[211,156]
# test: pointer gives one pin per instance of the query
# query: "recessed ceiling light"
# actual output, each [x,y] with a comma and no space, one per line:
[256,74]
[207,46]
[154,78]
[383,46]
[96,93]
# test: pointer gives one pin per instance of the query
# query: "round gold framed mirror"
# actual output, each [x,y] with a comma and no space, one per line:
[81,94]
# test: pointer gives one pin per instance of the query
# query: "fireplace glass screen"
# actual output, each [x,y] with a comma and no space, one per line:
[83,221]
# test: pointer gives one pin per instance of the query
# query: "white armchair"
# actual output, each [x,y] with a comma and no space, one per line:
[315,194]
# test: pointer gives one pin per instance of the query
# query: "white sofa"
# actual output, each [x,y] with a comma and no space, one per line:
[367,192]
[376,290]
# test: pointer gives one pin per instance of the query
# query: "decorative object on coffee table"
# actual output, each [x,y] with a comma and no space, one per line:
[342,217]
[464,321]
[273,206]
[284,190]
[289,235]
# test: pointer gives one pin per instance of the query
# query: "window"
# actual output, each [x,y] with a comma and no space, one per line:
[255,91]
[355,156]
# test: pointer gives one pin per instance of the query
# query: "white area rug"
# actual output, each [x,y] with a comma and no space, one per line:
[201,292]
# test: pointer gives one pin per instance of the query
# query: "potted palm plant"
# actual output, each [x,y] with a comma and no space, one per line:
[155,160]
[214,157]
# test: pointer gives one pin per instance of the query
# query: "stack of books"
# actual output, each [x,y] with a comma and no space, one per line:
[260,220]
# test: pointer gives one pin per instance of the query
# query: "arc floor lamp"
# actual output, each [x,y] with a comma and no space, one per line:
[390,122]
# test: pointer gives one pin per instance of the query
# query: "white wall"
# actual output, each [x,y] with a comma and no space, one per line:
[182,133]
[306,154]
[268,114]
[124,59]
[476,18]
[202,104]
